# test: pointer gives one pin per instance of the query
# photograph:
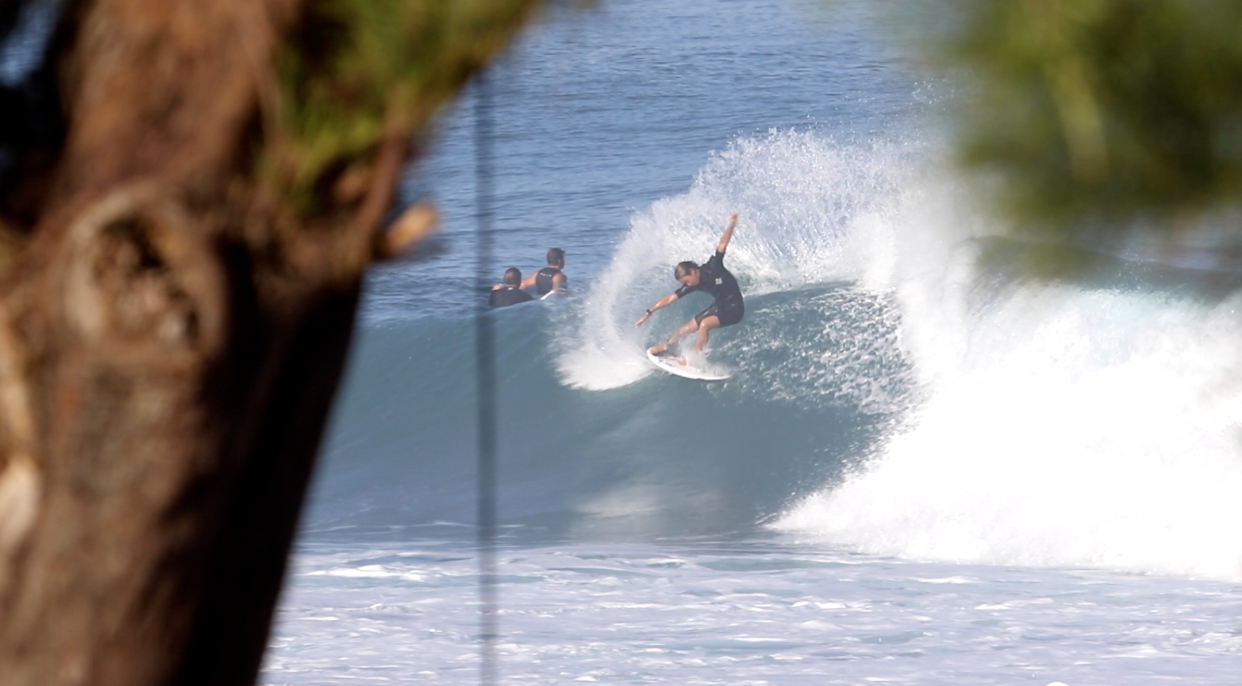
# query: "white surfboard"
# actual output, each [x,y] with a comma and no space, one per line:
[671,365]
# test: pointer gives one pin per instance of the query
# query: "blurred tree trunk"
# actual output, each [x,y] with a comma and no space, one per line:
[172,333]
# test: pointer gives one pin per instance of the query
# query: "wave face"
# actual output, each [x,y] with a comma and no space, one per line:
[664,457]
[896,390]
[591,442]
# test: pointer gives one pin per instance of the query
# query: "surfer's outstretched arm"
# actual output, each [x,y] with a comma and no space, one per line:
[661,303]
[727,235]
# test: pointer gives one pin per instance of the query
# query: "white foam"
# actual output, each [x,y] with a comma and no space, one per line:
[1076,429]
[1061,426]
[737,613]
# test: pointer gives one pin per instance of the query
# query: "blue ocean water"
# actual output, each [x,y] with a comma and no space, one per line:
[922,471]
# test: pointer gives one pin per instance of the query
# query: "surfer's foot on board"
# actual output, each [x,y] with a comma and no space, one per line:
[662,349]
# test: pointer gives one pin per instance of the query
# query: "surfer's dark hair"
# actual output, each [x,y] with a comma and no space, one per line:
[513,276]
[684,269]
[556,257]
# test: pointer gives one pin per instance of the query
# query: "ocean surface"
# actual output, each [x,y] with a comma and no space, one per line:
[925,469]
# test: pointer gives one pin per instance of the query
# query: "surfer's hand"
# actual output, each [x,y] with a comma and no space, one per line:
[641,319]
[733,220]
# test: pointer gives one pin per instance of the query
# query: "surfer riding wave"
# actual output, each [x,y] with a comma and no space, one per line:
[713,278]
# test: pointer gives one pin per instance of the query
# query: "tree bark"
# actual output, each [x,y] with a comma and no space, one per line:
[171,338]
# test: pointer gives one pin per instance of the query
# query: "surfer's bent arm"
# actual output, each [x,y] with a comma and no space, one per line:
[661,303]
[727,235]
[530,280]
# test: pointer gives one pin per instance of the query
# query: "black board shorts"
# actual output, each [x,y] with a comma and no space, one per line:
[728,313]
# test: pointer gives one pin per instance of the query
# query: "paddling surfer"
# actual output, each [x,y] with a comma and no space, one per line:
[509,292]
[726,310]
[550,278]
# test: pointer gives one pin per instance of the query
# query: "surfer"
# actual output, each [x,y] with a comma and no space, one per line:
[550,278]
[711,278]
[509,292]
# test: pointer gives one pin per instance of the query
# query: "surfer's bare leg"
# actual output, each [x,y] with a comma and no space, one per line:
[705,329]
[687,329]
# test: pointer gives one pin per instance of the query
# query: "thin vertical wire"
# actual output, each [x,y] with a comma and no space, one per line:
[485,366]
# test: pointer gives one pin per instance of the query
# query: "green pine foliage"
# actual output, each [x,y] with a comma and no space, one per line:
[353,71]
[1100,112]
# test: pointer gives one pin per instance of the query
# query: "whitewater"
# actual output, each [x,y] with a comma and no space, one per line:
[930,466]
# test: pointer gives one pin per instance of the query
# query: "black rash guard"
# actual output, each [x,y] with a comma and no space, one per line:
[504,297]
[543,280]
[715,280]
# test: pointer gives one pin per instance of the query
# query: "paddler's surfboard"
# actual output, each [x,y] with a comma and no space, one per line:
[670,364]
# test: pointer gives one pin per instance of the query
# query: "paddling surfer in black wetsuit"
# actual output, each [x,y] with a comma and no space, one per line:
[509,293]
[551,277]
[711,278]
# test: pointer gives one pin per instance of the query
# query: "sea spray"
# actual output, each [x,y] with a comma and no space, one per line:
[807,206]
